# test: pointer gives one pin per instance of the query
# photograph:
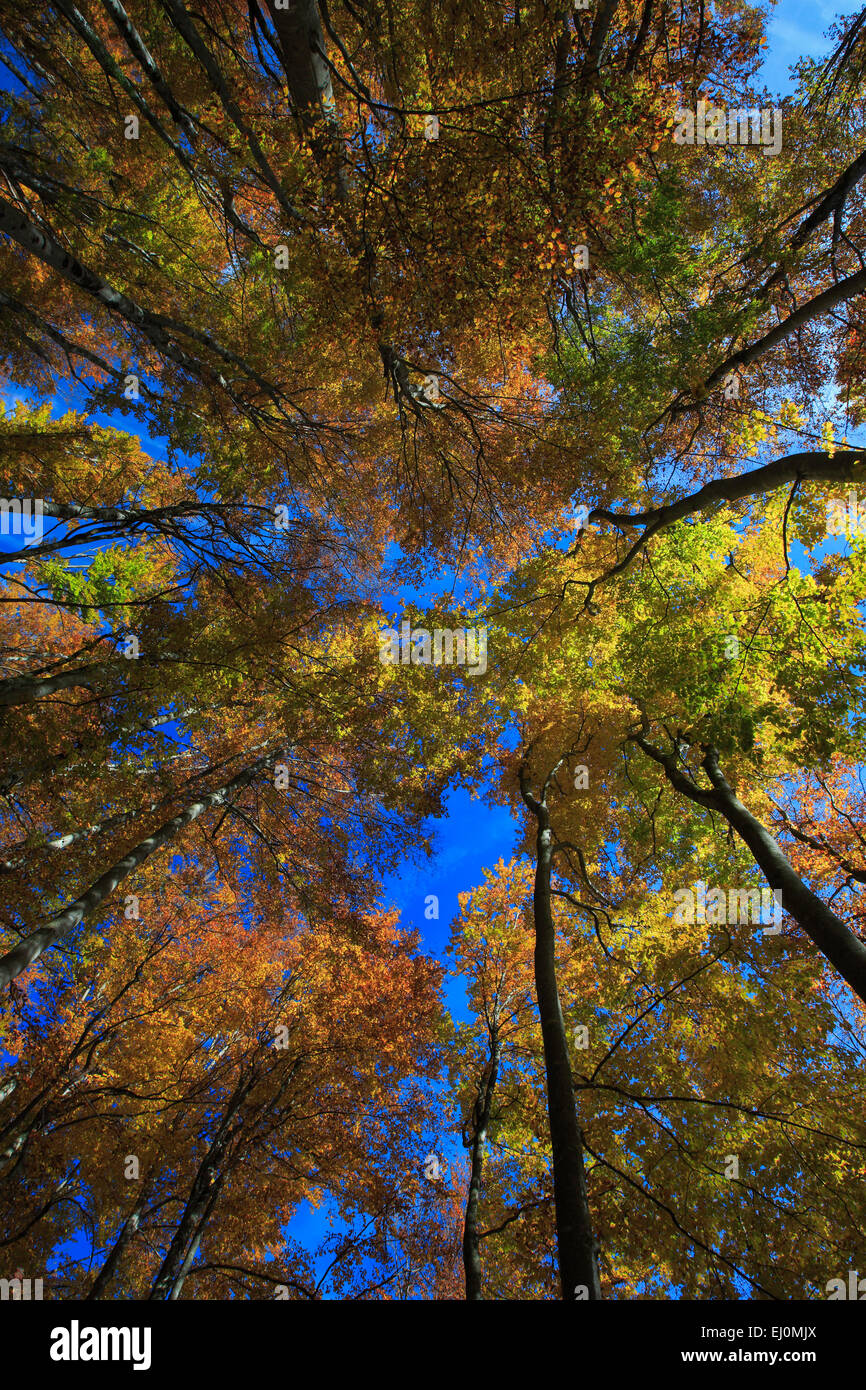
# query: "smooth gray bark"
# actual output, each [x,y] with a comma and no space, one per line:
[127,1231]
[477,1146]
[834,940]
[185,27]
[203,1196]
[814,464]
[54,928]
[156,327]
[136,45]
[302,48]
[23,690]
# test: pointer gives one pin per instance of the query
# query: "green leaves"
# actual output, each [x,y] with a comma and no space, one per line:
[113,578]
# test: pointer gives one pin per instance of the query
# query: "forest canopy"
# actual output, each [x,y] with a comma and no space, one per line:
[399,398]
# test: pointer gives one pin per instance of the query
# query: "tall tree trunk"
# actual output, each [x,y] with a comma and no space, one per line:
[136,45]
[114,72]
[302,52]
[578,1268]
[159,329]
[301,43]
[127,1231]
[62,842]
[12,1143]
[182,22]
[23,690]
[122,521]
[829,933]
[64,762]
[177,1286]
[481,1121]
[186,1240]
[203,1196]
[54,928]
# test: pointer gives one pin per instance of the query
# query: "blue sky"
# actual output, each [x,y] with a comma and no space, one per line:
[797,28]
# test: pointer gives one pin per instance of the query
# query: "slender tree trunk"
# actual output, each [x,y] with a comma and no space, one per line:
[54,928]
[177,1286]
[136,45]
[23,690]
[471,1243]
[62,762]
[600,28]
[118,521]
[62,842]
[15,1133]
[159,329]
[127,1231]
[829,933]
[302,48]
[38,243]
[578,1268]
[181,1252]
[302,52]
[182,22]
[12,1144]
[204,1192]
[834,940]
[114,72]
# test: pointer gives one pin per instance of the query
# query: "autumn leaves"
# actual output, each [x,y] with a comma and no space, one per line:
[373,352]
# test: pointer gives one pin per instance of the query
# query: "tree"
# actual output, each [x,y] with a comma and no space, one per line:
[706,1134]
[317,313]
[213,1066]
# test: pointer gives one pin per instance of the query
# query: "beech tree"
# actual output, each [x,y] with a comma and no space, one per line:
[702,1129]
